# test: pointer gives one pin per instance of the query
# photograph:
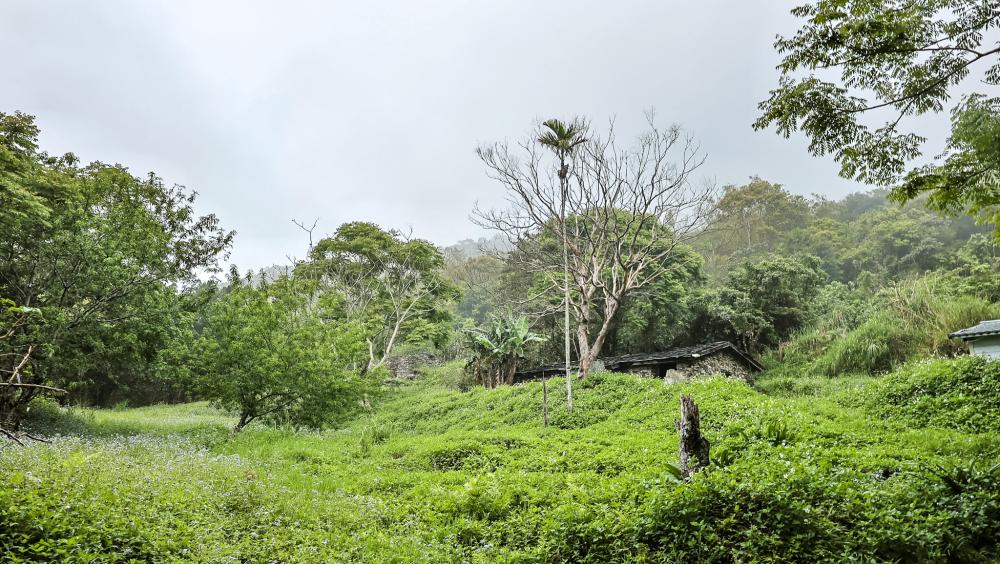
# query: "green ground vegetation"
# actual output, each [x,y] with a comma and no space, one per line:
[897,468]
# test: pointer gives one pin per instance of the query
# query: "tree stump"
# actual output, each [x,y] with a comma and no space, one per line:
[694,447]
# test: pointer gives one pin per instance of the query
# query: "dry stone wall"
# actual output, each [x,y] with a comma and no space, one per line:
[404,367]
[723,362]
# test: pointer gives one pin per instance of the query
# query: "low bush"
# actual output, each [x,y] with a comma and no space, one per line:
[959,394]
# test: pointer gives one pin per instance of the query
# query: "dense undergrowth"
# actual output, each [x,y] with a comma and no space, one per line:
[900,468]
[857,336]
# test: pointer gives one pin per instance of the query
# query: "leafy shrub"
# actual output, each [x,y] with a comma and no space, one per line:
[265,353]
[463,456]
[963,394]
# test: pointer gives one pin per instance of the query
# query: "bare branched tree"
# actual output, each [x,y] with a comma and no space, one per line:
[628,211]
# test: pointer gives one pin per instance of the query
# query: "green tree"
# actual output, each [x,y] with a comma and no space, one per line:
[265,351]
[827,239]
[762,303]
[659,316]
[898,58]
[892,242]
[393,286]
[479,278]
[759,214]
[498,346]
[97,253]
[968,177]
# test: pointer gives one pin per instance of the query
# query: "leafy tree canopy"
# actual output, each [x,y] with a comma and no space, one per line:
[762,303]
[98,253]
[897,59]
[393,285]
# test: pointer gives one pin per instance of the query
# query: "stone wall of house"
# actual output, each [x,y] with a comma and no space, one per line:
[404,367]
[648,371]
[723,362]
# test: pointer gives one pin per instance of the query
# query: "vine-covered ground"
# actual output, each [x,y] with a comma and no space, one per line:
[896,468]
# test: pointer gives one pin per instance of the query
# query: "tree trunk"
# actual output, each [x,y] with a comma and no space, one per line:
[693,446]
[562,213]
[244,420]
[590,352]
[564,193]
[510,369]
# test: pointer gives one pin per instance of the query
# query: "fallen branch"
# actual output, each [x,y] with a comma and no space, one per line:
[11,436]
[38,386]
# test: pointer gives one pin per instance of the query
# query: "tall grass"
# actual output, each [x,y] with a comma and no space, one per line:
[906,320]
[930,308]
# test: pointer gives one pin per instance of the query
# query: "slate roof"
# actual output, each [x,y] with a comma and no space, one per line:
[624,361]
[681,353]
[985,328]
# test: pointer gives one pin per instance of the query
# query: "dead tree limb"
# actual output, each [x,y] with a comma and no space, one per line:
[49,389]
[10,436]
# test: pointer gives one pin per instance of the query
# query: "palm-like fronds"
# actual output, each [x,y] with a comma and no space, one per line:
[563,137]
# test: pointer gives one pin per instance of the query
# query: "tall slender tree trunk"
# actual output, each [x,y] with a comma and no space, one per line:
[563,181]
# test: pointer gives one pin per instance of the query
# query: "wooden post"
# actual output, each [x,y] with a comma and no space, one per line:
[545,402]
[694,447]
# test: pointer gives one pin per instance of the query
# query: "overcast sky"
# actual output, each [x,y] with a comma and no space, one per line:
[371,110]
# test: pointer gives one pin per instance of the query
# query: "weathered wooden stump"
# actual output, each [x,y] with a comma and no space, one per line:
[694,447]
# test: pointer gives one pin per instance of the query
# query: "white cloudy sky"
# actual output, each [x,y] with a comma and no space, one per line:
[372,109]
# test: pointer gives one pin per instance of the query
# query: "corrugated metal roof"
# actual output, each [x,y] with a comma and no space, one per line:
[990,327]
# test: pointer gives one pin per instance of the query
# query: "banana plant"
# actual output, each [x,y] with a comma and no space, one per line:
[497,347]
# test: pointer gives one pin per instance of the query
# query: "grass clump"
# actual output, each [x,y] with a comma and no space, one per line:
[873,348]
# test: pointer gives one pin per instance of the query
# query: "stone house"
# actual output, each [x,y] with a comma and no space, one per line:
[983,339]
[672,365]
[684,363]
